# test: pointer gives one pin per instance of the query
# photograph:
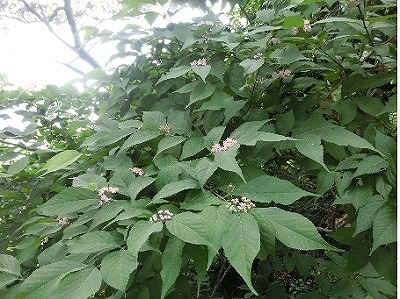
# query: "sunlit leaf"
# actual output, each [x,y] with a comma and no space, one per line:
[61,160]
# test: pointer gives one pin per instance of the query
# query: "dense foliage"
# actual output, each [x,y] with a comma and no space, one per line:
[249,160]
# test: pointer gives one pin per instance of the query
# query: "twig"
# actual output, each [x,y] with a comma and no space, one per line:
[220,278]
[22,146]
[77,48]
[324,230]
[365,25]
[246,15]
[71,67]
[77,41]
[336,87]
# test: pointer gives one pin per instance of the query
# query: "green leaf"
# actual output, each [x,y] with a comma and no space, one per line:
[174,73]
[214,136]
[69,200]
[112,137]
[358,82]
[175,187]
[377,286]
[237,79]
[10,270]
[152,120]
[370,105]
[18,166]
[138,184]
[293,21]
[202,71]
[107,212]
[192,146]
[139,137]
[122,179]
[391,106]
[384,230]
[204,169]
[246,129]
[370,164]
[191,228]
[311,147]
[251,65]
[267,232]
[44,280]
[197,200]
[287,55]
[200,92]
[293,230]
[226,160]
[169,142]
[52,254]
[248,134]
[366,213]
[188,87]
[116,268]
[81,284]
[340,136]
[139,234]
[61,160]
[241,243]
[171,264]
[267,189]
[89,181]
[216,217]
[92,242]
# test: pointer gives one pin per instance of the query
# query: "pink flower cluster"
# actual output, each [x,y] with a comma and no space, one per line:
[282,74]
[205,23]
[226,144]
[201,61]
[104,199]
[64,221]
[165,129]
[274,41]
[136,170]
[307,25]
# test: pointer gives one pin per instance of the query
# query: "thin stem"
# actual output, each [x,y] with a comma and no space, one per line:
[215,193]
[333,59]
[365,25]
[242,9]
[253,90]
[336,86]
[22,146]
[220,277]
[77,47]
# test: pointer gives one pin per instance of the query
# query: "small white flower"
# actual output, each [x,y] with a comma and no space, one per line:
[104,199]
[274,41]
[45,240]
[166,129]
[216,148]
[200,62]
[64,221]
[295,31]
[205,23]
[136,170]
[307,25]
[161,215]
[228,142]
[243,204]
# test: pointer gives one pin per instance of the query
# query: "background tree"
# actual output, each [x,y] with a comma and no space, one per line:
[58,15]
[248,160]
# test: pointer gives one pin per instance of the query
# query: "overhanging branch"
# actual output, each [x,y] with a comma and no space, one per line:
[77,47]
